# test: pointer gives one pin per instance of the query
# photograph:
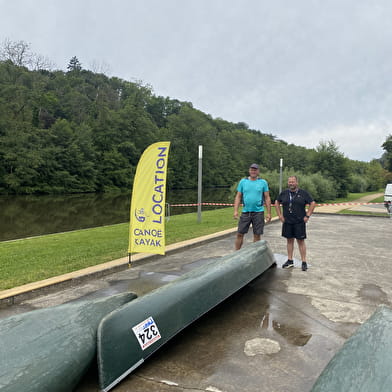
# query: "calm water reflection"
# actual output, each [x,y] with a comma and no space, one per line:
[25,216]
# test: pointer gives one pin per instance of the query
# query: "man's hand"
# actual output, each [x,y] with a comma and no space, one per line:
[268,219]
[237,202]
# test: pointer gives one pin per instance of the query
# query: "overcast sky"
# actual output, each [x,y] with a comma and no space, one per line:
[305,71]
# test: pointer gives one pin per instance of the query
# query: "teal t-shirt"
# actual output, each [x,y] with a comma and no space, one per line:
[253,194]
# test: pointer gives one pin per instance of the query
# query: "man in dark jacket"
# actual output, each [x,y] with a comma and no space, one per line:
[294,219]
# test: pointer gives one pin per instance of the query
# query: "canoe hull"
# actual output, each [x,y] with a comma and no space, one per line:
[50,349]
[364,361]
[130,334]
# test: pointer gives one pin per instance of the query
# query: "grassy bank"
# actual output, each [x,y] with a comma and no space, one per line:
[355,196]
[32,259]
[379,199]
[352,212]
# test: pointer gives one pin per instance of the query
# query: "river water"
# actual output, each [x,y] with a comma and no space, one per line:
[27,215]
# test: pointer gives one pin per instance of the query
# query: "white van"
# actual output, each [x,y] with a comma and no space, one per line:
[388,198]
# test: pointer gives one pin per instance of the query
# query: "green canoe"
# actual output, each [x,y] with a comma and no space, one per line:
[50,349]
[364,362]
[130,334]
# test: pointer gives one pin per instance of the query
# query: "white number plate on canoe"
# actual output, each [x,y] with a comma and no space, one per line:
[146,332]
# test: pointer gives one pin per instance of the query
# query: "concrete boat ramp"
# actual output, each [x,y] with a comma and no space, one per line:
[277,333]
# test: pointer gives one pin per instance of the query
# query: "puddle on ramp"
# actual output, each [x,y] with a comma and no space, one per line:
[374,294]
[292,335]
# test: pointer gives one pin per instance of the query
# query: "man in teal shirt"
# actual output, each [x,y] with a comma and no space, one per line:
[254,193]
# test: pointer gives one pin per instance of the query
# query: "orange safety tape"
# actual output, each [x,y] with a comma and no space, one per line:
[231,204]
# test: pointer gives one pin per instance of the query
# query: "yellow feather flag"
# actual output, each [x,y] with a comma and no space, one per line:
[147,214]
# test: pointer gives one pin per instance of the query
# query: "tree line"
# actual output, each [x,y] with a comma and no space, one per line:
[81,131]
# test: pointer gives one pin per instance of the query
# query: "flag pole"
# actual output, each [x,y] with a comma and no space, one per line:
[199,184]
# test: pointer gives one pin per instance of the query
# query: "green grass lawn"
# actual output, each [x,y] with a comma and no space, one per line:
[32,259]
[355,196]
[351,212]
[376,200]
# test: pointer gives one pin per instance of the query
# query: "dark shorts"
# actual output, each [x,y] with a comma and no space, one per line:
[254,218]
[296,230]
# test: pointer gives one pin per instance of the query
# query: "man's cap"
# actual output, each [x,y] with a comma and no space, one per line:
[254,166]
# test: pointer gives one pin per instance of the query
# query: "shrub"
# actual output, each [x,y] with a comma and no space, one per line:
[359,183]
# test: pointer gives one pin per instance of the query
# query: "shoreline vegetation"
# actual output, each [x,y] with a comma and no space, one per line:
[37,258]
[80,131]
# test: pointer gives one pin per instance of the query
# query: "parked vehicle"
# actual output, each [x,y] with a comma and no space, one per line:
[388,198]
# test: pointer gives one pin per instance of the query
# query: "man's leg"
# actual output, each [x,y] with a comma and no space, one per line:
[290,248]
[256,237]
[258,225]
[287,232]
[302,249]
[239,240]
[243,227]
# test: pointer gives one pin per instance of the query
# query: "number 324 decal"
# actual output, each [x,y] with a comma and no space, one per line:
[146,332]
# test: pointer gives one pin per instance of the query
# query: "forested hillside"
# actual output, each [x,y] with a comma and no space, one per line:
[80,131]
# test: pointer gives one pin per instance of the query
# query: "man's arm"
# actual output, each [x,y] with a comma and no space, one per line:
[267,201]
[311,208]
[237,202]
[278,210]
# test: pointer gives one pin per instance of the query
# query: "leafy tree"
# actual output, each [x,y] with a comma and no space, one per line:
[74,64]
[375,175]
[20,160]
[387,146]
[160,108]
[359,183]
[334,165]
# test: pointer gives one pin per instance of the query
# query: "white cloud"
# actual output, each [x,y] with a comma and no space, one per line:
[360,141]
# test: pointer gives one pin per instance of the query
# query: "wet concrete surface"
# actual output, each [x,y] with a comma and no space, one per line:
[275,334]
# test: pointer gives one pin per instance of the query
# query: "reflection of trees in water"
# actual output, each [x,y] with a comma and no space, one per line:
[24,216]
[292,335]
